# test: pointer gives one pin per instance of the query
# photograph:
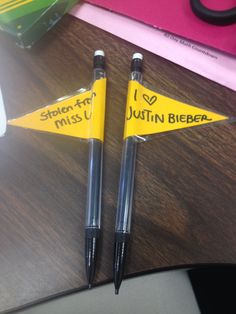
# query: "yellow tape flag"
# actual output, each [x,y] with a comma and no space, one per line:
[148,112]
[81,115]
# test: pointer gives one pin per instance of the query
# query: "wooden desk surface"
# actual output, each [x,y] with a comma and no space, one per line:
[185,185]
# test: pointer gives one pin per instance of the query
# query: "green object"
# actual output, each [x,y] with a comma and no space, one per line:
[28,20]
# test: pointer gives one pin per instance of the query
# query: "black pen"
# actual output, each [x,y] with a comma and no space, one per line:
[126,187]
[94,186]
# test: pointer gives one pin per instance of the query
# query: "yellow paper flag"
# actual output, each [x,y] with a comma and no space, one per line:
[81,115]
[148,112]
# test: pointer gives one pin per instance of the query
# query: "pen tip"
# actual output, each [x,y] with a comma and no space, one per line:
[116,291]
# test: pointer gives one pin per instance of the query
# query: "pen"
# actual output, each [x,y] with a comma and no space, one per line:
[94,186]
[125,194]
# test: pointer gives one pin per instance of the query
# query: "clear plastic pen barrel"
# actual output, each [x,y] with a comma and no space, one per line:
[94,183]
[126,190]
[94,187]
[93,210]
[126,184]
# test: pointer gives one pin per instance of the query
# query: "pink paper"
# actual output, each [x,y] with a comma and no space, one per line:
[177,17]
[207,62]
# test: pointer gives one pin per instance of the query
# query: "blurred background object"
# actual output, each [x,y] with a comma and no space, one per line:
[28,20]
[217,17]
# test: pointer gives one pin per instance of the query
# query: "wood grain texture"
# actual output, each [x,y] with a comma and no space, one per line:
[185,185]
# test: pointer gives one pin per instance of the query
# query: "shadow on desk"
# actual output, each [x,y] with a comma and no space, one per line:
[204,289]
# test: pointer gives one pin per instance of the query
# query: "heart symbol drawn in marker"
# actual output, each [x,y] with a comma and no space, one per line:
[150,100]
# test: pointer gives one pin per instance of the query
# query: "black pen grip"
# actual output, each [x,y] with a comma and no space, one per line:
[120,253]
